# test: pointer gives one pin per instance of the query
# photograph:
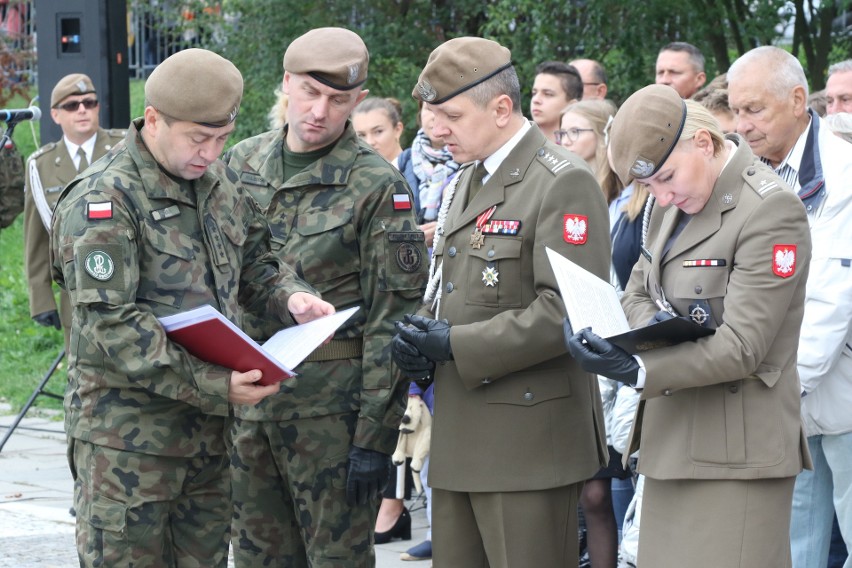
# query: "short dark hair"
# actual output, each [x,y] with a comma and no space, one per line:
[695,55]
[568,75]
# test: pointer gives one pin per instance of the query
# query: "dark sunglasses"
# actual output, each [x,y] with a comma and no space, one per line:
[72,106]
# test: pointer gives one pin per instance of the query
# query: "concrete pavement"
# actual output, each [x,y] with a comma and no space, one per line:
[36,492]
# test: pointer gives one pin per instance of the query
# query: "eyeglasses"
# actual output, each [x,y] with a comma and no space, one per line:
[592,84]
[72,106]
[572,134]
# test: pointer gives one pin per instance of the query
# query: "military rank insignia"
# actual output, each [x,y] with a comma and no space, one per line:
[784,260]
[101,210]
[575,229]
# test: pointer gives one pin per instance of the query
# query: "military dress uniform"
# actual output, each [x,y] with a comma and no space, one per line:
[347,227]
[147,422]
[718,422]
[49,169]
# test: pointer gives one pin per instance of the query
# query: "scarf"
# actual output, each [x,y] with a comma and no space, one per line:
[432,168]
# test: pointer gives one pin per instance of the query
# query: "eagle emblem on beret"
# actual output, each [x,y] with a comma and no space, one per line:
[427,91]
[81,86]
[642,168]
[353,73]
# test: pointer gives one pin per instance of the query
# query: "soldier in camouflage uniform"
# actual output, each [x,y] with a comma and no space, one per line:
[74,107]
[11,183]
[309,462]
[156,227]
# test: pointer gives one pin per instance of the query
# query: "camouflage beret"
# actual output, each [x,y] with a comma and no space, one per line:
[73,84]
[458,65]
[336,57]
[645,130]
[196,85]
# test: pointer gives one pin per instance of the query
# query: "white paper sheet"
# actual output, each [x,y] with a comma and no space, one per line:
[292,345]
[589,301]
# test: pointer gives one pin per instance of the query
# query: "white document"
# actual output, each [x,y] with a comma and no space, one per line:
[589,301]
[292,345]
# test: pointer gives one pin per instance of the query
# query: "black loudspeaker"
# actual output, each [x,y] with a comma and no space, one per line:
[83,36]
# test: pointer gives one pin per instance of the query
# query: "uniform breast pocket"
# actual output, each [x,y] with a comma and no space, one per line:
[165,265]
[700,294]
[328,245]
[494,277]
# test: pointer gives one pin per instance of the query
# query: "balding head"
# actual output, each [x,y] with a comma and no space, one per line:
[594,78]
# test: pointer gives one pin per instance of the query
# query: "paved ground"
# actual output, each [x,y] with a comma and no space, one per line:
[36,530]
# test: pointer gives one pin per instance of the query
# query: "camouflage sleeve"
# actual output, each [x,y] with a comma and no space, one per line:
[267,282]
[97,261]
[393,277]
[11,185]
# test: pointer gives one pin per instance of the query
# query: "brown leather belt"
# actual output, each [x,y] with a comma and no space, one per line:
[338,349]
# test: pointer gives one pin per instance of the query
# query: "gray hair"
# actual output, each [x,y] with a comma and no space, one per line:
[505,82]
[696,58]
[787,72]
[840,67]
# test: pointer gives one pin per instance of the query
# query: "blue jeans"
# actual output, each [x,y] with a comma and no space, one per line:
[818,495]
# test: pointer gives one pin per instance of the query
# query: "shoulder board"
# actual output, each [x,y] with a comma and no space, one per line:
[43,150]
[763,180]
[117,133]
[553,161]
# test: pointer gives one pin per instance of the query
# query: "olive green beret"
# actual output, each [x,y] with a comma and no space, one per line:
[458,65]
[645,130]
[73,84]
[196,85]
[336,57]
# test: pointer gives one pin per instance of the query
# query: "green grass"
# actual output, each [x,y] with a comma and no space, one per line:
[27,349]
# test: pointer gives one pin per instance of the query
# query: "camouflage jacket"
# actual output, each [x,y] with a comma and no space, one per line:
[130,244]
[346,225]
[11,185]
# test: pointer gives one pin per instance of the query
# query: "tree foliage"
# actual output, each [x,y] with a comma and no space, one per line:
[625,36]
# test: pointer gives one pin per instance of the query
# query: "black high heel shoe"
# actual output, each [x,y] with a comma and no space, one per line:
[401,529]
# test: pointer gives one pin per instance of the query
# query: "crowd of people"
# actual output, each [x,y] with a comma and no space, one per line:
[726,203]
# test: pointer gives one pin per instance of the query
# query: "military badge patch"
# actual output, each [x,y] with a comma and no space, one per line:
[784,260]
[575,229]
[408,257]
[99,265]
[490,276]
[401,202]
[99,210]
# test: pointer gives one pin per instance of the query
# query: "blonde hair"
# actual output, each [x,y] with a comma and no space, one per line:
[277,115]
[636,204]
[699,118]
[599,113]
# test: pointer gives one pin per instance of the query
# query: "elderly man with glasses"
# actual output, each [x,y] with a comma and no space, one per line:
[74,107]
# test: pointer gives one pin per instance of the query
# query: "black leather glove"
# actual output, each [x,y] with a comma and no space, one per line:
[48,319]
[406,356]
[597,355]
[430,337]
[661,315]
[368,475]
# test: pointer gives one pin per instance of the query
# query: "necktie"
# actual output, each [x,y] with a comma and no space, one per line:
[84,163]
[476,181]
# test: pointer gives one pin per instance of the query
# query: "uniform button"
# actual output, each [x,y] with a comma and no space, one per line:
[667,392]
[486,381]
[698,289]
[491,254]
[452,251]
[528,396]
[450,287]
[750,171]
[541,151]
[733,388]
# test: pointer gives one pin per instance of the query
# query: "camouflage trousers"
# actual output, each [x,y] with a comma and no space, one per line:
[143,510]
[289,494]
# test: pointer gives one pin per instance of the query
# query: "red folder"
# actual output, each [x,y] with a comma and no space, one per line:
[211,337]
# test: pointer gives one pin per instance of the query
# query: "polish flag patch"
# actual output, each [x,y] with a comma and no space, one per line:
[575,229]
[401,202]
[784,260]
[99,210]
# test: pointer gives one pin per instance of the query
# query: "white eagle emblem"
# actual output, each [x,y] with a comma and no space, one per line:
[642,168]
[784,260]
[575,229]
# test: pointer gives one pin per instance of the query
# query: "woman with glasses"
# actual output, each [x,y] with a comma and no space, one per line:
[605,497]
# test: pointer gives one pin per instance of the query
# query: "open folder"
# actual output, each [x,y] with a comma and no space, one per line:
[593,302]
[211,337]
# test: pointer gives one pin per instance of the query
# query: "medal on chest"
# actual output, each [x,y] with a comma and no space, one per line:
[477,239]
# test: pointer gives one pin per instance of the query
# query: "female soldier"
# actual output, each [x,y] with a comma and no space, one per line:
[718,421]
